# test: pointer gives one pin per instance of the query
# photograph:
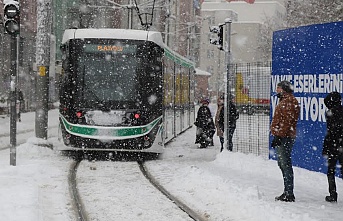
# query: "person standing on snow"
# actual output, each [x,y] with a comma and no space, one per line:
[233,117]
[212,114]
[283,128]
[205,125]
[219,121]
[333,142]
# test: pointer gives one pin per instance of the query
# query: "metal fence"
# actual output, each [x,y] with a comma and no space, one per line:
[252,97]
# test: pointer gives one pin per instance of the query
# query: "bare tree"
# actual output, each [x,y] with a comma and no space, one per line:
[299,13]
[306,12]
[266,40]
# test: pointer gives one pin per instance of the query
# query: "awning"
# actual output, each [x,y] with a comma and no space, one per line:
[201,72]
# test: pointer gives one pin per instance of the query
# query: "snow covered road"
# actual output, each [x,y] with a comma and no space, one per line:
[222,186]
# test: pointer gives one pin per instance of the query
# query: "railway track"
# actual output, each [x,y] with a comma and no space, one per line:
[83,207]
[81,211]
[77,203]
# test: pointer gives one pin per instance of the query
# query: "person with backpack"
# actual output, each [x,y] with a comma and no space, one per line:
[333,141]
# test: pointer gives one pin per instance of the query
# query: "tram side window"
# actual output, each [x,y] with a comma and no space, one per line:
[178,86]
[170,83]
[65,70]
[185,86]
[192,86]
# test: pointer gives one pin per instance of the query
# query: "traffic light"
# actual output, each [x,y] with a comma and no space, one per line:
[219,39]
[11,17]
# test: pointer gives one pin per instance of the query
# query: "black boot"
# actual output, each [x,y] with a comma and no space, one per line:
[332,198]
[285,198]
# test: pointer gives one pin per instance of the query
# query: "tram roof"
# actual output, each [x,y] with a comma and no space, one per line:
[107,33]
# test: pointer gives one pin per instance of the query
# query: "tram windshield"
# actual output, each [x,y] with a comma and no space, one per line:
[109,77]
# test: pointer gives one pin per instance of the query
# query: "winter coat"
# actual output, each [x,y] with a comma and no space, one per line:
[219,121]
[286,116]
[233,116]
[333,142]
[204,119]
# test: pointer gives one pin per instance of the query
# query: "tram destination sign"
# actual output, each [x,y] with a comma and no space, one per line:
[115,48]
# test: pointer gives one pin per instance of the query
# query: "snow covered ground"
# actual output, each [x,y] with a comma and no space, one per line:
[222,186]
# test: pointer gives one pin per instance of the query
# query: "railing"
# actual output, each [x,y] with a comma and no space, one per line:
[252,90]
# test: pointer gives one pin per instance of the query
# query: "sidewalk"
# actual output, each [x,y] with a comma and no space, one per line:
[27,126]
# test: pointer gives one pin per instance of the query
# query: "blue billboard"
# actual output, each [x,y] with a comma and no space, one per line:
[311,58]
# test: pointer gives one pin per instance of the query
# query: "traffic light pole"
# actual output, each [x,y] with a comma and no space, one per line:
[13,101]
[12,27]
[229,79]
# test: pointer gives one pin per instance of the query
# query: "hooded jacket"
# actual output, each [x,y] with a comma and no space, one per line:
[333,141]
[286,116]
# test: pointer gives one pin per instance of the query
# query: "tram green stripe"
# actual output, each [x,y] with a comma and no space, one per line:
[177,59]
[98,131]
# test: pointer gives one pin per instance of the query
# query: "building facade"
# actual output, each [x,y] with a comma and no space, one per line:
[177,20]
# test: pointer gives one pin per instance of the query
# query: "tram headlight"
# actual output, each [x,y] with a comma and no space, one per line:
[67,139]
[147,141]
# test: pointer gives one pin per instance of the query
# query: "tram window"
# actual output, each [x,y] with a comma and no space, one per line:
[111,77]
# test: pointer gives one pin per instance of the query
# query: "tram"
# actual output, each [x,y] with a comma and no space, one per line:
[122,90]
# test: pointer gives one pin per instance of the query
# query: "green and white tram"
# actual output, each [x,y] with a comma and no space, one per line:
[122,90]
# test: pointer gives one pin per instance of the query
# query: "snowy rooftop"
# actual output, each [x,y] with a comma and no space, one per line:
[113,34]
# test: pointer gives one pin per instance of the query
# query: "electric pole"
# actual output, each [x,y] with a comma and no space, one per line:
[44,22]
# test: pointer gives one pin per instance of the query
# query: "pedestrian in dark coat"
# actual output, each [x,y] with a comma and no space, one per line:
[283,127]
[219,121]
[333,142]
[205,125]
[233,117]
